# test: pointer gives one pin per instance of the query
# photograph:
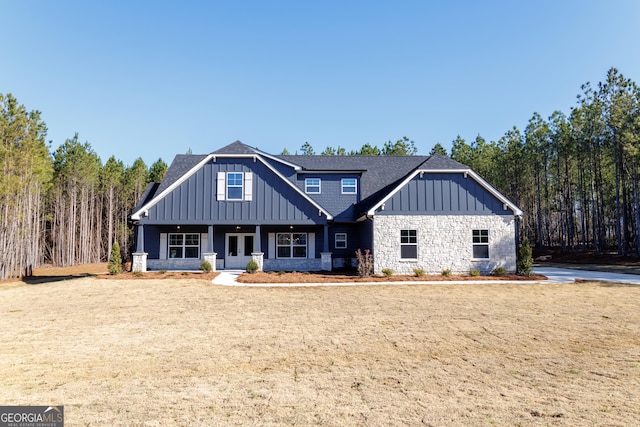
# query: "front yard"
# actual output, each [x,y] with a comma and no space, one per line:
[186,352]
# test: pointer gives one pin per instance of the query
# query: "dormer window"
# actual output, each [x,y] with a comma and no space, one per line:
[312,185]
[349,186]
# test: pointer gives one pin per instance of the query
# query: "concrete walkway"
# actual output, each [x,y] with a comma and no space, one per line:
[554,275]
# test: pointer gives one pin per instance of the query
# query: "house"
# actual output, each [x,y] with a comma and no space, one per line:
[311,213]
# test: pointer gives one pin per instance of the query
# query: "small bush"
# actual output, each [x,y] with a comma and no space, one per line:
[281,272]
[138,273]
[365,263]
[525,260]
[185,273]
[499,271]
[446,272]
[206,266]
[418,272]
[252,267]
[387,272]
[115,260]
[162,271]
[474,273]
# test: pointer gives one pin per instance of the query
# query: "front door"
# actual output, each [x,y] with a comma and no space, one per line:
[238,250]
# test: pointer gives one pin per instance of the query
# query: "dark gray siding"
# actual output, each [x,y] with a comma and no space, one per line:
[341,206]
[443,194]
[194,201]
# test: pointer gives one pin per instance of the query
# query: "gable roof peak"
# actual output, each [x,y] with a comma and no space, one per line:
[235,147]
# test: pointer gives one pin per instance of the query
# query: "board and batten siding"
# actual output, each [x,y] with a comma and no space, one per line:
[273,201]
[443,194]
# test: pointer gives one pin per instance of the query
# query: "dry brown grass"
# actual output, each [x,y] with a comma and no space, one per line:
[185,352]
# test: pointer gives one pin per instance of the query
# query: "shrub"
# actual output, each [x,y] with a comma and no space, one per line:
[525,260]
[252,267]
[387,272]
[446,272]
[206,266]
[499,271]
[115,260]
[162,271]
[365,263]
[418,272]
[138,273]
[474,273]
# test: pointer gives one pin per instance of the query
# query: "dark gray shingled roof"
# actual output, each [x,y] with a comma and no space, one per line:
[236,147]
[379,174]
[181,164]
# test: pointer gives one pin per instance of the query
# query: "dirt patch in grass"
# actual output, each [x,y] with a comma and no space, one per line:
[186,352]
[317,277]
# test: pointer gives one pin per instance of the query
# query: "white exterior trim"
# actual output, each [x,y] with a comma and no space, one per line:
[138,214]
[467,172]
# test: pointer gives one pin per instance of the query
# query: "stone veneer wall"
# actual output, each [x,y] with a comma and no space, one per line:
[302,264]
[174,264]
[444,242]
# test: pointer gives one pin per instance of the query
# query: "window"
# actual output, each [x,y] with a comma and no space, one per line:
[291,245]
[184,245]
[312,185]
[408,244]
[481,244]
[341,241]
[234,186]
[349,186]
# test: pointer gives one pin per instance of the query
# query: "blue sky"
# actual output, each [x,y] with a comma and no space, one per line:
[155,79]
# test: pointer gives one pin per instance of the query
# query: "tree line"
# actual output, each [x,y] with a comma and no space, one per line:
[64,207]
[574,175]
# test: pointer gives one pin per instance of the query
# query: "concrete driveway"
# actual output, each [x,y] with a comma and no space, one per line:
[568,275]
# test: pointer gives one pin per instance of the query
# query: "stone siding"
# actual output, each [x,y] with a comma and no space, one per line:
[444,242]
[302,264]
[174,264]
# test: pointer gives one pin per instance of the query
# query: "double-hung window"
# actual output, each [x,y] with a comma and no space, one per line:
[408,244]
[341,241]
[234,185]
[291,245]
[312,185]
[349,186]
[184,245]
[480,244]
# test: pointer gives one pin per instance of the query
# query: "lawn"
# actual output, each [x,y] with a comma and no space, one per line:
[181,351]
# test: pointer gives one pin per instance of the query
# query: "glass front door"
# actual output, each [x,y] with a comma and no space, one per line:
[238,250]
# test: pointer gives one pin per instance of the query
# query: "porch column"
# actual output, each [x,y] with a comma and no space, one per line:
[257,242]
[325,245]
[210,238]
[140,240]
[139,261]
[210,256]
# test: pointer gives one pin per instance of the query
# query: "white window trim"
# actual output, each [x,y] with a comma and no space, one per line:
[306,186]
[335,242]
[184,245]
[355,186]
[408,244]
[480,244]
[291,245]
[241,186]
